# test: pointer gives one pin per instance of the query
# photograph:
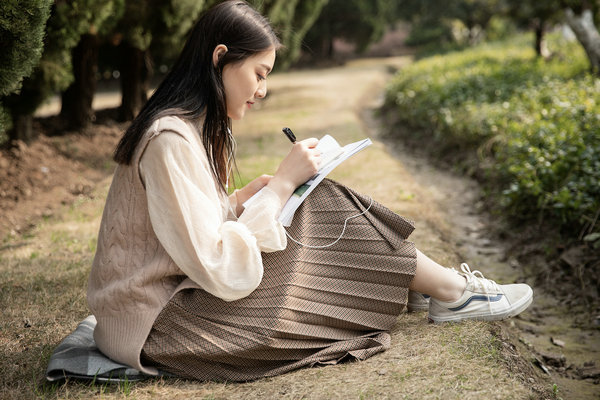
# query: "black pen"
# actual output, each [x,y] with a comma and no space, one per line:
[290,135]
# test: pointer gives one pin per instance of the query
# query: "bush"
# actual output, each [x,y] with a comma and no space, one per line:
[534,124]
[22,26]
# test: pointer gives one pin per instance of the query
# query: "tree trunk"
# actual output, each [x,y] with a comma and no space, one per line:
[22,128]
[77,100]
[541,47]
[327,50]
[539,38]
[587,34]
[135,77]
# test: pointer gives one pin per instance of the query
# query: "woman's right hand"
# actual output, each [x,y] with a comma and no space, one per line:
[297,167]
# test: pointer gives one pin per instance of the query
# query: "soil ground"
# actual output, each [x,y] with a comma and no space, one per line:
[51,198]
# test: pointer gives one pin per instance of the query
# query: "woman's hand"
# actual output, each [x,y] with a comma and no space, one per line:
[250,190]
[300,165]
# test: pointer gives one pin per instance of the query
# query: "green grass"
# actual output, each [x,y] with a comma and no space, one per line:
[527,126]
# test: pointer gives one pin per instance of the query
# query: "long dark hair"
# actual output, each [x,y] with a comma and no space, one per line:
[193,89]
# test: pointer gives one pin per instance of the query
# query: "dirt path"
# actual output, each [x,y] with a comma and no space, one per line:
[43,270]
[561,343]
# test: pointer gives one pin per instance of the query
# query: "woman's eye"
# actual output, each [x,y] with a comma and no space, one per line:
[261,77]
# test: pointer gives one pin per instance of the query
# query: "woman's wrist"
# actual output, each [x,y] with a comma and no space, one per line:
[282,187]
[239,206]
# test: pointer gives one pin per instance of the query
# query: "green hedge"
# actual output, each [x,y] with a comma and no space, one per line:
[534,124]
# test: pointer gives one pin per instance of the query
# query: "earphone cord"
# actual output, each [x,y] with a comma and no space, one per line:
[338,239]
[287,234]
[228,166]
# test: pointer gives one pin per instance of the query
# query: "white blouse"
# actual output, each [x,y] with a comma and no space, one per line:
[196,224]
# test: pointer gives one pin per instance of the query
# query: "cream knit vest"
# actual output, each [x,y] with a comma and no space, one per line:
[132,275]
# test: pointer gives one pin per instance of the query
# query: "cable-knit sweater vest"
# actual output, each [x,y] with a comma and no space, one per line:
[132,276]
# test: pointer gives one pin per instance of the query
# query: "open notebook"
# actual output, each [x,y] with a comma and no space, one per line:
[332,155]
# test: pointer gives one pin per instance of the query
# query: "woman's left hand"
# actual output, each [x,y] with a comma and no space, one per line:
[250,190]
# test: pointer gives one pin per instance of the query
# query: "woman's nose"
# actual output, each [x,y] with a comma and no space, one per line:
[262,90]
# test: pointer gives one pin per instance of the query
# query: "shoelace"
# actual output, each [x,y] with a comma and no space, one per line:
[487,285]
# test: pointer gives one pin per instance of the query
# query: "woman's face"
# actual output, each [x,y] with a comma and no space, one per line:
[246,81]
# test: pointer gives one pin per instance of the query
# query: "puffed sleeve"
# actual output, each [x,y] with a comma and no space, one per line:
[221,256]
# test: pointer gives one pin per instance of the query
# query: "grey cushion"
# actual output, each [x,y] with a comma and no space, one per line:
[78,357]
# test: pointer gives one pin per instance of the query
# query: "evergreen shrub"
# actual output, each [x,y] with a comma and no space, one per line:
[22,24]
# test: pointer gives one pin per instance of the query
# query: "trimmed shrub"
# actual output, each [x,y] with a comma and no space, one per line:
[22,26]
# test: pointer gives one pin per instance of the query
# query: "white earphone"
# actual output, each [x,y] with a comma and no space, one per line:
[339,237]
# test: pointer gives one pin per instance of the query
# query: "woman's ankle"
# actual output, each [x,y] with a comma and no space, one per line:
[452,291]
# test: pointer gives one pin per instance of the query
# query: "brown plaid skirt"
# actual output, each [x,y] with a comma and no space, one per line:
[313,306]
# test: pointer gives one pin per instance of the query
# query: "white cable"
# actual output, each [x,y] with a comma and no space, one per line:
[338,239]
[227,167]
[228,170]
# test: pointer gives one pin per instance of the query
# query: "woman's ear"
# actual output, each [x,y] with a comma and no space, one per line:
[218,52]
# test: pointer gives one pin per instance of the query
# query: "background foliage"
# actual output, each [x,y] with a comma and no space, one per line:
[532,117]
[21,39]
[68,21]
[84,39]
[143,31]
[358,22]
[534,125]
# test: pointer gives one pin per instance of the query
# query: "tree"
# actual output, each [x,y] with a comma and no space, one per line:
[360,22]
[435,21]
[580,17]
[536,15]
[67,22]
[155,29]
[292,19]
[73,30]
[475,15]
[427,21]
[22,26]
[578,14]
[77,99]
[156,23]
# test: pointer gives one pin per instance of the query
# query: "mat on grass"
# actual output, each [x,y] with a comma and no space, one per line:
[78,357]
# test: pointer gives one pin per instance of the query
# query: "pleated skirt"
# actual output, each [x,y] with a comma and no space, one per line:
[315,305]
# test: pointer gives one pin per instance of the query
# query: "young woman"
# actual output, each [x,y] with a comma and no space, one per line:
[187,280]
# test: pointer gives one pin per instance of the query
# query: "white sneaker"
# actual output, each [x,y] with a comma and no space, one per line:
[483,299]
[417,302]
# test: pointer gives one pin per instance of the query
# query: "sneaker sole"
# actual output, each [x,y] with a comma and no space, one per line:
[517,308]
